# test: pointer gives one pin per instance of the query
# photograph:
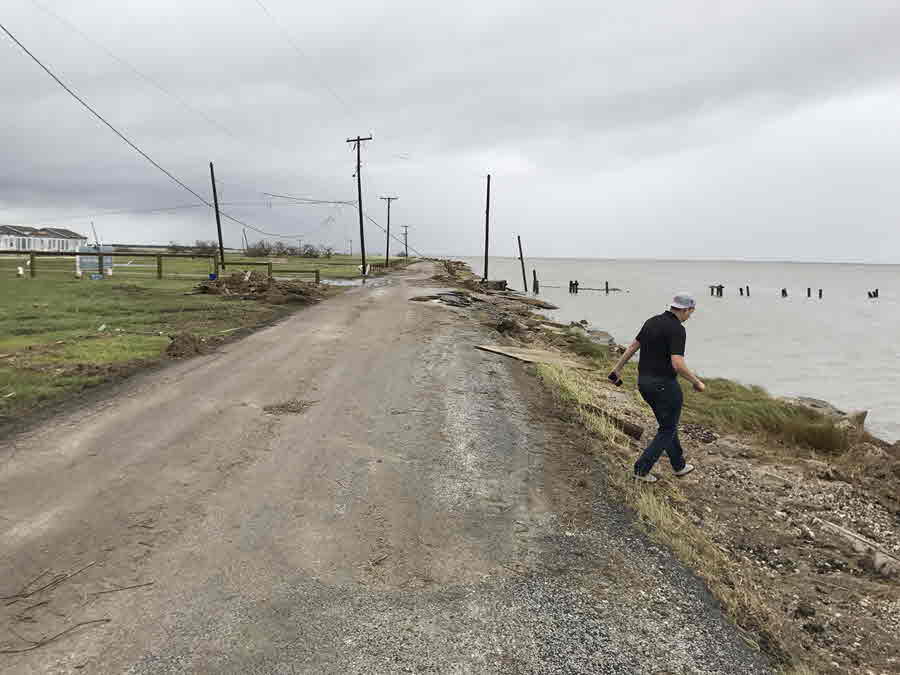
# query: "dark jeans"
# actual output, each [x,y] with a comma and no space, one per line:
[663,394]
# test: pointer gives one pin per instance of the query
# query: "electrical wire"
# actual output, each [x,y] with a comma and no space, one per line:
[348,203]
[296,48]
[310,200]
[132,145]
[151,81]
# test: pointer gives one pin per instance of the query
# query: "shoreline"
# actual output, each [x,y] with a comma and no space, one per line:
[793,347]
[790,519]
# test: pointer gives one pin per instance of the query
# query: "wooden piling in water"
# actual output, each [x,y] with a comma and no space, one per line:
[522,262]
[535,286]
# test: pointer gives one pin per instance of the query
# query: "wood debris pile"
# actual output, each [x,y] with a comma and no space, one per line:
[257,286]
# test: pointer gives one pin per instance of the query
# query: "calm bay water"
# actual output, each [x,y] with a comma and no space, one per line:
[844,348]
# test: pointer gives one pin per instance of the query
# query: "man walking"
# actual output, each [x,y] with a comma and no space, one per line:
[662,341]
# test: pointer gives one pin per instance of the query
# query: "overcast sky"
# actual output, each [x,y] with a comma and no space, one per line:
[691,129]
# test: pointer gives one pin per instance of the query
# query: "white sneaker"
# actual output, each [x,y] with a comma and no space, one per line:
[685,470]
[649,478]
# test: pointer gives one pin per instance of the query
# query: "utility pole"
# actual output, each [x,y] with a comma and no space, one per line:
[487,222]
[351,248]
[387,250]
[212,175]
[357,143]
[406,241]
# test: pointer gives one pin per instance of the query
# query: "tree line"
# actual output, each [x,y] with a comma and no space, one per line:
[259,249]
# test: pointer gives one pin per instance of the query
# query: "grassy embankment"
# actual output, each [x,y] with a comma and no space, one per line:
[726,407]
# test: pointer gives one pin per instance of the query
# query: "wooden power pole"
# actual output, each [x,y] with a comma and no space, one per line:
[487,222]
[357,143]
[212,175]
[406,241]
[387,250]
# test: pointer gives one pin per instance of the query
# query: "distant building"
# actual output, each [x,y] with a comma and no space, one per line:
[46,239]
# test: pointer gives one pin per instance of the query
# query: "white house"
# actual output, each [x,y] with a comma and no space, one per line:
[45,239]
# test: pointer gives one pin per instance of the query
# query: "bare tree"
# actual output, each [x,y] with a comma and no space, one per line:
[206,247]
[259,249]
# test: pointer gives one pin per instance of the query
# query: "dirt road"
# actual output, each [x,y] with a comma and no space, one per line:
[421,514]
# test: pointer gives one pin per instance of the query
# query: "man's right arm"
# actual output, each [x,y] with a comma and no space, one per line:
[681,368]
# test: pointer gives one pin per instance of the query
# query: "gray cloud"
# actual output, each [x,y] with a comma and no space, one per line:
[609,129]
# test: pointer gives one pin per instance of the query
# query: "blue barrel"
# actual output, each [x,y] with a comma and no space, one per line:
[213,276]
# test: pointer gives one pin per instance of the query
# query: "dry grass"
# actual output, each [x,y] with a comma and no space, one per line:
[657,508]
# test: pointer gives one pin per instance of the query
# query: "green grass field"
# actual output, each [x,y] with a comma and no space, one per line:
[141,266]
[59,335]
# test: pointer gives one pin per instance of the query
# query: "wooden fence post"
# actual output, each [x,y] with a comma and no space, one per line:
[159,267]
[317,277]
[32,271]
[100,263]
[269,267]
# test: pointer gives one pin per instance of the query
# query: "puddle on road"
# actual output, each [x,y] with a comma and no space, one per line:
[369,283]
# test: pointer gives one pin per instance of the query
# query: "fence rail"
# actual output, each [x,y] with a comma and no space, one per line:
[214,262]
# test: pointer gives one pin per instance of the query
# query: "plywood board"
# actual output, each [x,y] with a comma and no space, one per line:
[534,356]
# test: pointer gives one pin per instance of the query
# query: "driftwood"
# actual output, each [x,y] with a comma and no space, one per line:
[534,302]
[626,427]
[883,562]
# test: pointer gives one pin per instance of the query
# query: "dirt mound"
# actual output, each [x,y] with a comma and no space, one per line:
[257,286]
[185,345]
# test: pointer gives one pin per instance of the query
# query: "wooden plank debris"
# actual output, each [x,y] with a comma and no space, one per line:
[534,356]
[882,561]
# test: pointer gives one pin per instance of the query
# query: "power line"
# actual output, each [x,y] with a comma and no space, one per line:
[151,81]
[131,144]
[310,200]
[376,224]
[296,48]
[100,117]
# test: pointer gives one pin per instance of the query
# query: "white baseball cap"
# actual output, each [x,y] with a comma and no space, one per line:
[683,301]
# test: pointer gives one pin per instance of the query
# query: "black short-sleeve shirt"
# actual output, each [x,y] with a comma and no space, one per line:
[661,337]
